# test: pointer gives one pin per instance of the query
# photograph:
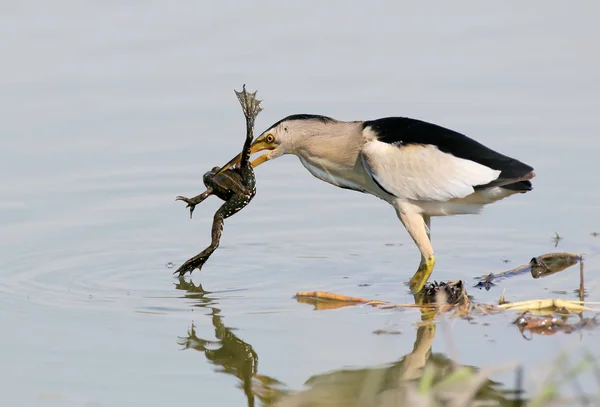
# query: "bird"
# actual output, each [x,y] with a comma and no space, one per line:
[421,169]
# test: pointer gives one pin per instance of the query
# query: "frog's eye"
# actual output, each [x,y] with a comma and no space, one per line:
[269,138]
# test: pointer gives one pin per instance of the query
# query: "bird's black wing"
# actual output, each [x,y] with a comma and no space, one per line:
[405,131]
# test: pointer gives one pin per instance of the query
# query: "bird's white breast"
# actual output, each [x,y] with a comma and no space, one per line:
[336,176]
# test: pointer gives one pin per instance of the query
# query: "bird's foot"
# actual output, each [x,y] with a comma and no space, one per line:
[190,265]
[250,104]
[417,282]
[191,203]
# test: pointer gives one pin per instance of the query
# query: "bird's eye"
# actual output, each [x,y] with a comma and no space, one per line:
[270,138]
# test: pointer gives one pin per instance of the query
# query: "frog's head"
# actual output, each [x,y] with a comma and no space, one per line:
[208,176]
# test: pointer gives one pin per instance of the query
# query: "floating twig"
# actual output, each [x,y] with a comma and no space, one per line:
[322,295]
[546,304]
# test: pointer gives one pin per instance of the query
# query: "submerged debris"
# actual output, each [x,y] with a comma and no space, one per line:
[453,292]
[386,332]
[486,282]
[442,297]
[549,305]
[550,325]
[323,296]
[540,266]
[551,263]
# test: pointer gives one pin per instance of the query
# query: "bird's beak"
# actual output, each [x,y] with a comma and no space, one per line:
[258,145]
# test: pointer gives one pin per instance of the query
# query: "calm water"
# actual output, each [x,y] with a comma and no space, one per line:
[110,110]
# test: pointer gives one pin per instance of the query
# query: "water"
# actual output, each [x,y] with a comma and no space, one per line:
[110,110]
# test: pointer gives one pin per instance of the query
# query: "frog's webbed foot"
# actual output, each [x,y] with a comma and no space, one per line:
[192,202]
[198,260]
[190,265]
[250,105]
[251,108]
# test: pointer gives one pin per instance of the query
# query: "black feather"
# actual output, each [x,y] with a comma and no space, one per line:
[303,116]
[352,189]
[517,186]
[405,131]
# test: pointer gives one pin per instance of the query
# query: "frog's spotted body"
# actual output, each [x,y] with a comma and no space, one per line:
[235,186]
[231,184]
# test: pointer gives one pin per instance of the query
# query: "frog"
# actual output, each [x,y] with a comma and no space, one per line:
[236,186]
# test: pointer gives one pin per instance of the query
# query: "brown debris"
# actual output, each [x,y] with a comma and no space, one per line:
[322,295]
[540,266]
[452,292]
[442,297]
[551,263]
[550,325]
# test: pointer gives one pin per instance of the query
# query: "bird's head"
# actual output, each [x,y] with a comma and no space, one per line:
[281,138]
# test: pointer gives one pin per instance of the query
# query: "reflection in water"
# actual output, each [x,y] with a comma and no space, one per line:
[397,383]
[551,324]
[195,292]
[228,353]
[232,355]
[393,384]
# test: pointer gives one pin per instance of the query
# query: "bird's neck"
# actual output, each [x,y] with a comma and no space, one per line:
[332,153]
[338,143]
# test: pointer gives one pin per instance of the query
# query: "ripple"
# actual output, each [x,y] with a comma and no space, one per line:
[92,279]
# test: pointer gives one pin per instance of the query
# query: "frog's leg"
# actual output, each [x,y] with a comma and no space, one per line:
[192,202]
[248,180]
[251,108]
[233,205]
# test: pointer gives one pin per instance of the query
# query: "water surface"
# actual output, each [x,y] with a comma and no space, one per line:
[110,110]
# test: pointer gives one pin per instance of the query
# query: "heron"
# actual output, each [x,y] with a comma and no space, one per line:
[420,168]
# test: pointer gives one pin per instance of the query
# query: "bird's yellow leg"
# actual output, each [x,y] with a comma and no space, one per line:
[417,282]
[417,226]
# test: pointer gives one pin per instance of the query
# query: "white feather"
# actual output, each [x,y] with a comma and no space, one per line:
[330,176]
[423,172]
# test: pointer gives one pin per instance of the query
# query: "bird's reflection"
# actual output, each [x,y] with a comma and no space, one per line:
[377,386]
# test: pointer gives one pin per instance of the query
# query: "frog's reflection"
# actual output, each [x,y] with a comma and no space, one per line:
[228,353]
[378,386]
[232,355]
